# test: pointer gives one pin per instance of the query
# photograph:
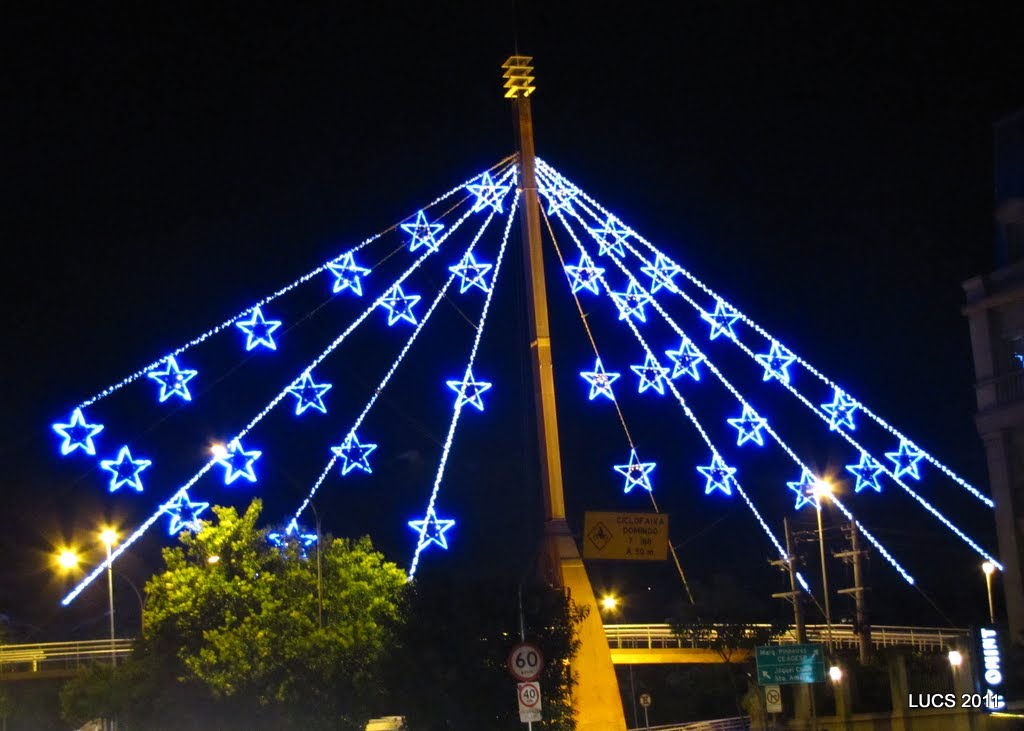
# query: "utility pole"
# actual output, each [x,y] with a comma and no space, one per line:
[596,696]
[793,595]
[854,556]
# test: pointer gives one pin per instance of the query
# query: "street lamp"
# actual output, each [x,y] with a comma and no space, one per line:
[109,537]
[609,603]
[989,568]
[823,488]
[68,559]
[955,658]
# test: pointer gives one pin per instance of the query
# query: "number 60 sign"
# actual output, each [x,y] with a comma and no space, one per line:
[525,661]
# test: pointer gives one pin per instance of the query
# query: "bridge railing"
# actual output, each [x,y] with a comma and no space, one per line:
[33,657]
[739,723]
[656,636]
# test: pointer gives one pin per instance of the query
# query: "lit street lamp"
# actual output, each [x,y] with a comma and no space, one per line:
[989,568]
[823,488]
[609,603]
[109,537]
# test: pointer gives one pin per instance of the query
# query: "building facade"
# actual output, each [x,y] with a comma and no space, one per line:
[995,314]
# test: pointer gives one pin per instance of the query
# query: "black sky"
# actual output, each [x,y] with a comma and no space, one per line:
[828,168]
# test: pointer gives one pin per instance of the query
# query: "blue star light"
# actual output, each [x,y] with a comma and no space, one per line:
[652,375]
[173,380]
[399,305]
[749,426]
[867,472]
[686,360]
[348,274]
[185,514]
[840,411]
[488,193]
[310,395]
[631,302]
[354,455]
[637,473]
[600,381]
[124,470]
[560,199]
[775,362]
[584,275]
[611,237]
[259,330]
[905,459]
[469,390]
[77,434]
[471,273]
[295,531]
[422,232]
[719,476]
[806,489]
[721,320]
[662,273]
[237,462]
[432,529]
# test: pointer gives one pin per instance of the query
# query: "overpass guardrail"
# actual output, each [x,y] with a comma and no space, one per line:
[36,657]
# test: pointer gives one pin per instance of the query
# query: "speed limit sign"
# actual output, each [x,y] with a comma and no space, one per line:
[525,662]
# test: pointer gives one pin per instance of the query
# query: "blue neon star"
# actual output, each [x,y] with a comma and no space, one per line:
[867,472]
[294,530]
[618,233]
[348,274]
[719,476]
[309,394]
[399,305]
[560,198]
[124,470]
[488,193]
[806,489]
[840,411]
[775,362]
[749,426]
[584,275]
[631,303]
[78,434]
[721,320]
[637,473]
[600,381]
[173,381]
[652,375]
[905,459]
[469,390]
[184,514]
[354,454]
[432,529]
[238,462]
[422,232]
[661,274]
[471,273]
[686,359]
[259,330]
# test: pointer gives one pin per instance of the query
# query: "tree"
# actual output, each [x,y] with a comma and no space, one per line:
[232,630]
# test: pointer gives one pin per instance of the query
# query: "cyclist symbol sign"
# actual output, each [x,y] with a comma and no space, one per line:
[525,662]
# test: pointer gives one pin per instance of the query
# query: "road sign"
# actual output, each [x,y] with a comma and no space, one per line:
[786,664]
[773,699]
[529,702]
[629,536]
[525,661]
[645,699]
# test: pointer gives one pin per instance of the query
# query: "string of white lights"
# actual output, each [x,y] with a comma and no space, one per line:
[269,298]
[391,371]
[579,195]
[460,402]
[139,532]
[636,286]
[785,384]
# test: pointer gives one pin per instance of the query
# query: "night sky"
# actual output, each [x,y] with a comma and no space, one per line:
[829,170]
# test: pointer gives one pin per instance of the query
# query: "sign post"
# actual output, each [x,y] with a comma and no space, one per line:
[525,662]
[789,664]
[645,701]
[529,701]
[773,698]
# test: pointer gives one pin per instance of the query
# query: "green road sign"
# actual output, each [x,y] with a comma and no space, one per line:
[784,664]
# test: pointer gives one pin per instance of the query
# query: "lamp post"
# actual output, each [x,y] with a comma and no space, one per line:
[989,568]
[109,537]
[821,489]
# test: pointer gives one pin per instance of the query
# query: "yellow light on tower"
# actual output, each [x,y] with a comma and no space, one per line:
[609,602]
[68,559]
[108,536]
[822,487]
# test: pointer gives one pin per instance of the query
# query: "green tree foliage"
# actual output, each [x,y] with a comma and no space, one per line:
[233,632]
[449,668]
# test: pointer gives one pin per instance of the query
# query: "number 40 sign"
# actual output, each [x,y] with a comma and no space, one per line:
[525,662]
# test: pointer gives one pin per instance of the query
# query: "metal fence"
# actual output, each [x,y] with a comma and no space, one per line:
[40,656]
[739,723]
[654,636]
